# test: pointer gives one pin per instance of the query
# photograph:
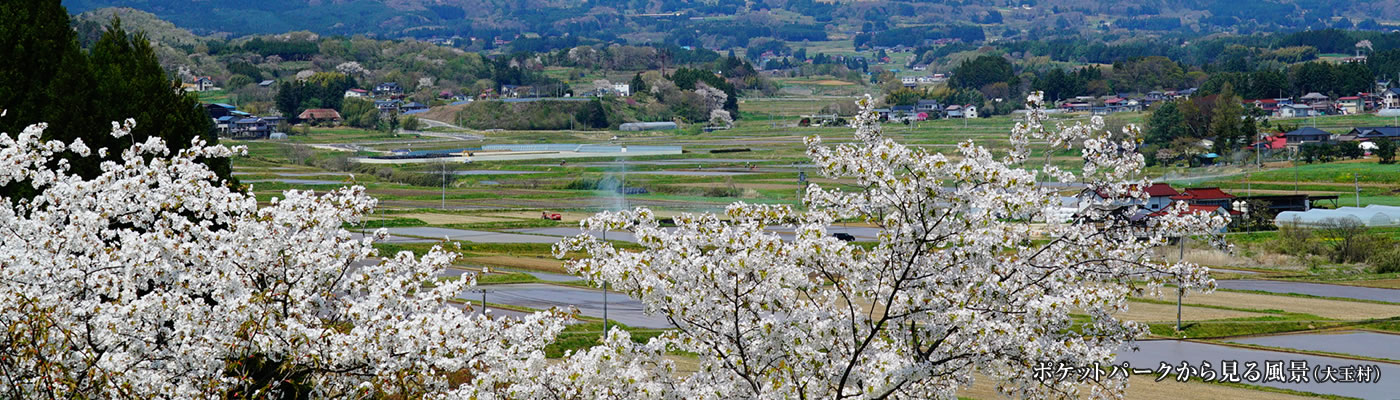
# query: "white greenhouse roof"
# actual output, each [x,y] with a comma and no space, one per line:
[1368,216]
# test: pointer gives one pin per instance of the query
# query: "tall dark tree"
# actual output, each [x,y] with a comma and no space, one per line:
[132,84]
[1385,151]
[982,71]
[1227,126]
[44,77]
[47,78]
[1165,125]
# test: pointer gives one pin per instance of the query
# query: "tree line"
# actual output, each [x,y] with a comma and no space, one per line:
[79,92]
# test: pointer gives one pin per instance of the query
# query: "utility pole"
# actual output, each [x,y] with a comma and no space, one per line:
[1356,185]
[443,164]
[1258,153]
[1293,158]
[1181,255]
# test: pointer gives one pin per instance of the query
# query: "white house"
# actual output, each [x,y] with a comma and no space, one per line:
[356,93]
[969,111]
[1296,111]
[1391,98]
[622,89]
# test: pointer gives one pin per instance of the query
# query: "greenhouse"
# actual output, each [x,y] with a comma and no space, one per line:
[1373,215]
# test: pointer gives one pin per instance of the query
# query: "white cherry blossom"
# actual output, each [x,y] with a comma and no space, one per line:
[153,280]
[960,281]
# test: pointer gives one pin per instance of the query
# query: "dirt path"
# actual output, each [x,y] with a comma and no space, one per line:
[1335,309]
[1153,312]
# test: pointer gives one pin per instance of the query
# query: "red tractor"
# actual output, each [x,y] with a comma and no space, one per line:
[551,216]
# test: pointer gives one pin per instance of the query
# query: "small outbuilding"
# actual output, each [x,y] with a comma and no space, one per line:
[648,126]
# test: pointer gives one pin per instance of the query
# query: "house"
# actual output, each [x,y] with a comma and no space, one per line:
[1390,98]
[953,111]
[412,107]
[1269,105]
[320,115]
[1076,106]
[902,112]
[217,110]
[253,127]
[909,80]
[388,107]
[928,106]
[224,124]
[1272,142]
[1160,196]
[622,89]
[388,89]
[969,111]
[1194,209]
[1208,196]
[1104,200]
[267,83]
[1307,134]
[514,91]
[1313,97]
[1350,105]
[203,83]
[882,113]
[1376,132]
[356,93]
[1296,111]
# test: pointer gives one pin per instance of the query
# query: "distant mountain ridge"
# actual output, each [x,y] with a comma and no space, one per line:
[689,22]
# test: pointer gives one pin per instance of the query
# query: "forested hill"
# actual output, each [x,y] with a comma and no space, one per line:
[732,23]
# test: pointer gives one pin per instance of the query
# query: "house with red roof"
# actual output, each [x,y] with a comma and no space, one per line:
[1273,142]
[1350,105]
[1269,105]
[1160,196]
[1209,196]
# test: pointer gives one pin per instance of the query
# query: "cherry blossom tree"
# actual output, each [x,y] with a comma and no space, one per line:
[960,282]
[155,280]
[719,117]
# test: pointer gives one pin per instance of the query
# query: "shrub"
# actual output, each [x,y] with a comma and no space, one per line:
[1387,261]
[1295,241]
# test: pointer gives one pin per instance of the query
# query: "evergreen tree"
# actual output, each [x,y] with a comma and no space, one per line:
[638,85]
[1165,125]
[44,77]
[47,78]
[1226,126]
[132,84]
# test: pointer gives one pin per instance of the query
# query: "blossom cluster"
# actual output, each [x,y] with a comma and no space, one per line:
[962,280]
[154,279]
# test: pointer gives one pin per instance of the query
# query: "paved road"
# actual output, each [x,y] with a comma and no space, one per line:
[621,308]
[471,235]
[1314,289]
[392,238]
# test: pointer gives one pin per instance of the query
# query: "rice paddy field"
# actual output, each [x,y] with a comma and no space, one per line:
[760,160]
